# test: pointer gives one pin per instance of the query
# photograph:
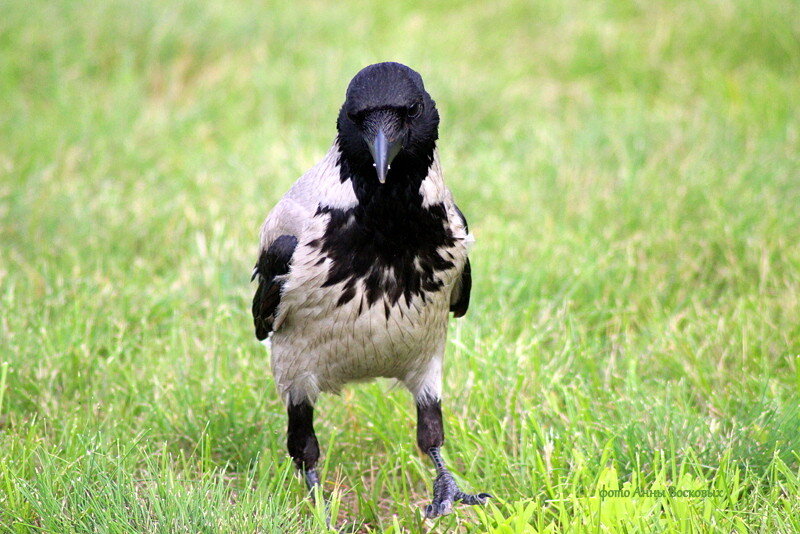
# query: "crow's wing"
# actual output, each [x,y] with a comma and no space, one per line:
[280,234]
[272,266]
[459,298]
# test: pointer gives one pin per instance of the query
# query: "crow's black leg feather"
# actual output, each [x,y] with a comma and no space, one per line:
[302,441]
[430,438]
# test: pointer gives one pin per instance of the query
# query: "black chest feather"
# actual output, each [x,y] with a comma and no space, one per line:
[392,244]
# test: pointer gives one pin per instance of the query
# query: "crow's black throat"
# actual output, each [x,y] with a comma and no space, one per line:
[389,239]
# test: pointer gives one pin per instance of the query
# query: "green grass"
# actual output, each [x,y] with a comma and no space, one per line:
[631,171]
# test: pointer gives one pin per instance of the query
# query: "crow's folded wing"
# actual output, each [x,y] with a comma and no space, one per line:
[273,264]
[459,298]
[280,234]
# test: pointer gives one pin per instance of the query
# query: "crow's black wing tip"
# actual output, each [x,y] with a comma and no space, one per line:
[274,261]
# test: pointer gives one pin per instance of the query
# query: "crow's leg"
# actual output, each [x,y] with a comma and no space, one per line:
[302,442]
[430,438]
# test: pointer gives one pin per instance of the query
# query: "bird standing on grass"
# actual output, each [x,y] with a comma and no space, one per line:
[361,263]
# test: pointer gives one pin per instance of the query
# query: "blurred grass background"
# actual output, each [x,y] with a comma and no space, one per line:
[631,171]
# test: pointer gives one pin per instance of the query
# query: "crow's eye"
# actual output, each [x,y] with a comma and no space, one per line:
[414,110]
[353,116]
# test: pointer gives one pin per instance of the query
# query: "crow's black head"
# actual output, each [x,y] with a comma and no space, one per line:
[388,124]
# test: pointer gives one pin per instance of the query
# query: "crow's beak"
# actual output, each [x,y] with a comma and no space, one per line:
[383,151]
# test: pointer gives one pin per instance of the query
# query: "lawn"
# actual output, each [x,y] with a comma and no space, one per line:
[631,171]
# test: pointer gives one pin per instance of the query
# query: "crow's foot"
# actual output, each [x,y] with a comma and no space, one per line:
[446,492]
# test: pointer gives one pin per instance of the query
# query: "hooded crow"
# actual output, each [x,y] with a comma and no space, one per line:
[361,263]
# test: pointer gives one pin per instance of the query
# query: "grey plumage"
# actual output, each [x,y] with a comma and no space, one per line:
[319,346]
